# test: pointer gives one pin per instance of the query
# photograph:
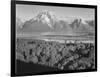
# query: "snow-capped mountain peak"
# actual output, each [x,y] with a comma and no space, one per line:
[46,17]
[46,21]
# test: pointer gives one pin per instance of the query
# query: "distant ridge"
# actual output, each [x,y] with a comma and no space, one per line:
[46,21]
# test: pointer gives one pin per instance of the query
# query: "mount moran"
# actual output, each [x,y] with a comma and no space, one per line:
[47,22]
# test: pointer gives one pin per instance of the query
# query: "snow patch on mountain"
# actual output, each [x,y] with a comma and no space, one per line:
[46,17]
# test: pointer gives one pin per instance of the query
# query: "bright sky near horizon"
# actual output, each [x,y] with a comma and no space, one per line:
[26,12]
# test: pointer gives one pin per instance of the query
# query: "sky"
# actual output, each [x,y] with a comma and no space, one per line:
[26,12]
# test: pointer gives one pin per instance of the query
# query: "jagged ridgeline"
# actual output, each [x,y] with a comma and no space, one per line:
[46,21]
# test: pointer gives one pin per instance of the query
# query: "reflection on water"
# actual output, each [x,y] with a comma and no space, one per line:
[62,37]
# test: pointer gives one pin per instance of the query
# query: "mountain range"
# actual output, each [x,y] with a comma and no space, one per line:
[47,23]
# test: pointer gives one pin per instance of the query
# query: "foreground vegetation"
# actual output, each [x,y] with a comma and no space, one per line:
[64,56]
